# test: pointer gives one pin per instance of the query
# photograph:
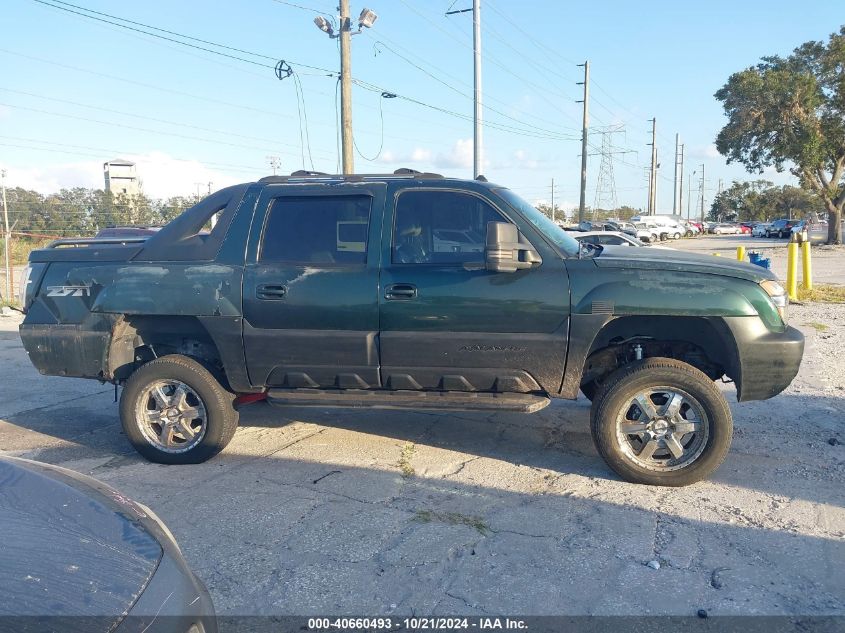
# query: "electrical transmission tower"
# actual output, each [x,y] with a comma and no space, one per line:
[606,182]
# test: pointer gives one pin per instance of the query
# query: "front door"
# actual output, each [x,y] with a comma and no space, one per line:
[447,323]
[310,287]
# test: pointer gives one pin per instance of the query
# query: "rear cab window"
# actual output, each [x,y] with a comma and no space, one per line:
[315,230]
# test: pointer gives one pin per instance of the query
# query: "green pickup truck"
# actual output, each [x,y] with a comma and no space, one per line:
[409,291]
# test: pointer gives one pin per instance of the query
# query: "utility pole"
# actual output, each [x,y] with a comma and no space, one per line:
[553,199]
[652,182]
[366,19]
[702,193]
[275,163]
[689,194]
[346,88]
[681,183]
[478,145]
[584,129]
[675,192]
[7,238]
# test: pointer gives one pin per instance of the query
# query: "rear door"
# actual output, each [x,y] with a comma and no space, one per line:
[310,288]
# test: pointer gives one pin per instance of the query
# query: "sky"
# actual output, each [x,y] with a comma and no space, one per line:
[76,92]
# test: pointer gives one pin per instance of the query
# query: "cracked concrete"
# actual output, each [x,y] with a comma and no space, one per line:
[313,512]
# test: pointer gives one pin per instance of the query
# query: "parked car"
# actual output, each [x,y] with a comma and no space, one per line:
[611,238]
[725,229]
[650,232]
[273,304]
[670,226]
[596,226]
[82,556]
[745,228]
[761,229]
[816,232]
[781,228]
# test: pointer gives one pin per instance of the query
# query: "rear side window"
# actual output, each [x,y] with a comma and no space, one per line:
[441,227]
[331,230]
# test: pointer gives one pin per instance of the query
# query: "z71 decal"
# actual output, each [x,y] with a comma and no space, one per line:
[68,291]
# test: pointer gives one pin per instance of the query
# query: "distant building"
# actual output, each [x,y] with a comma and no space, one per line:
[121,177]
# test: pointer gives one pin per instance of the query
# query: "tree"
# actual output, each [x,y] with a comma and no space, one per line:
[556,214]
[791,112]
[762,200]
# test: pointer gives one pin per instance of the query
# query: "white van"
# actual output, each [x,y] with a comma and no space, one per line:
[674,229]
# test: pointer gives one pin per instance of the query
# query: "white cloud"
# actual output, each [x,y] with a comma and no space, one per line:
[460,156]
[161,175]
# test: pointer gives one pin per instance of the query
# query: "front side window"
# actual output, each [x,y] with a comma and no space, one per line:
[329,230]
[441,227]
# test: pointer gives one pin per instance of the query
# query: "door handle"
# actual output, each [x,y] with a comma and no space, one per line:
[400,292]
[271,292]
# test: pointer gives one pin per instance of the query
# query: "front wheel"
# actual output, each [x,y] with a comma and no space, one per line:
[661,422]
[174,411]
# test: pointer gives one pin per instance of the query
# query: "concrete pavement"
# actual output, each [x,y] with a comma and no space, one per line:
[386,513]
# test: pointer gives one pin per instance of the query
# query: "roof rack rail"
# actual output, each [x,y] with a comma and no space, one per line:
[300,173]
[305,176]
[95,241]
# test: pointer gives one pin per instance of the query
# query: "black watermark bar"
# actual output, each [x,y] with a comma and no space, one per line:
[699,623]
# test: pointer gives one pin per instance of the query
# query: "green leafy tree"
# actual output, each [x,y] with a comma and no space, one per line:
[555,213]
[790,112]
[762,200]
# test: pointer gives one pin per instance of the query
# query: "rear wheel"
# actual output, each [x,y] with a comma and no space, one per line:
[676,236]
[174,411]
[661,422]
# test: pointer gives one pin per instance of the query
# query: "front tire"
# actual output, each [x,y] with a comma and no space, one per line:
[661,422]
[174,411]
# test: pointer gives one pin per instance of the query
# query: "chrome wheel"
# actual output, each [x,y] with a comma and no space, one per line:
[662,429]
[171,416]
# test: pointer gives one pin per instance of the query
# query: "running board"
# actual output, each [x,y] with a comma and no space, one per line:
[386,399]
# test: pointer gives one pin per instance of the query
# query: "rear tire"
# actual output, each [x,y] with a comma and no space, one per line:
[174,411]
[678,435]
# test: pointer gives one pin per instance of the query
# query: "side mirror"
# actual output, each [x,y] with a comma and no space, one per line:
[506,250]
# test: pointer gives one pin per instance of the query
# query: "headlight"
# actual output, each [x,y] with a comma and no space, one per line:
[777,294]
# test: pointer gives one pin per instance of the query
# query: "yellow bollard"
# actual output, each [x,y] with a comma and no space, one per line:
[792,271]
[807,261]
[740,253]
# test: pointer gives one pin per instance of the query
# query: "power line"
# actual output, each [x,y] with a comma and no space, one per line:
[92,15]
[329,73]
[143,117]
[463,94]
[299,6]
[142,129]
[100,151]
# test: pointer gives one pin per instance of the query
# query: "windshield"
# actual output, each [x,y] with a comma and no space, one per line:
[542,223]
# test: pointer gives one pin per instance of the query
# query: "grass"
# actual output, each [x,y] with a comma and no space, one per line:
[453,518]
[819,327]
[823,293]
[405,460]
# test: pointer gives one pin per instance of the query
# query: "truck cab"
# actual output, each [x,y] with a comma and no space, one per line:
[407,290]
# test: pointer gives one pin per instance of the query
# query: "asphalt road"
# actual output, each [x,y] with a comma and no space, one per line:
[390,513]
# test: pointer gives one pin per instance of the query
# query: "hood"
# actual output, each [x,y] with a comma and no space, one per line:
[70,552]
[668,259]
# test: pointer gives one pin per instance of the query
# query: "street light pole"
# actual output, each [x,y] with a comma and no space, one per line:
[347,157]
[7,238]
[478,141]
[365,20]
